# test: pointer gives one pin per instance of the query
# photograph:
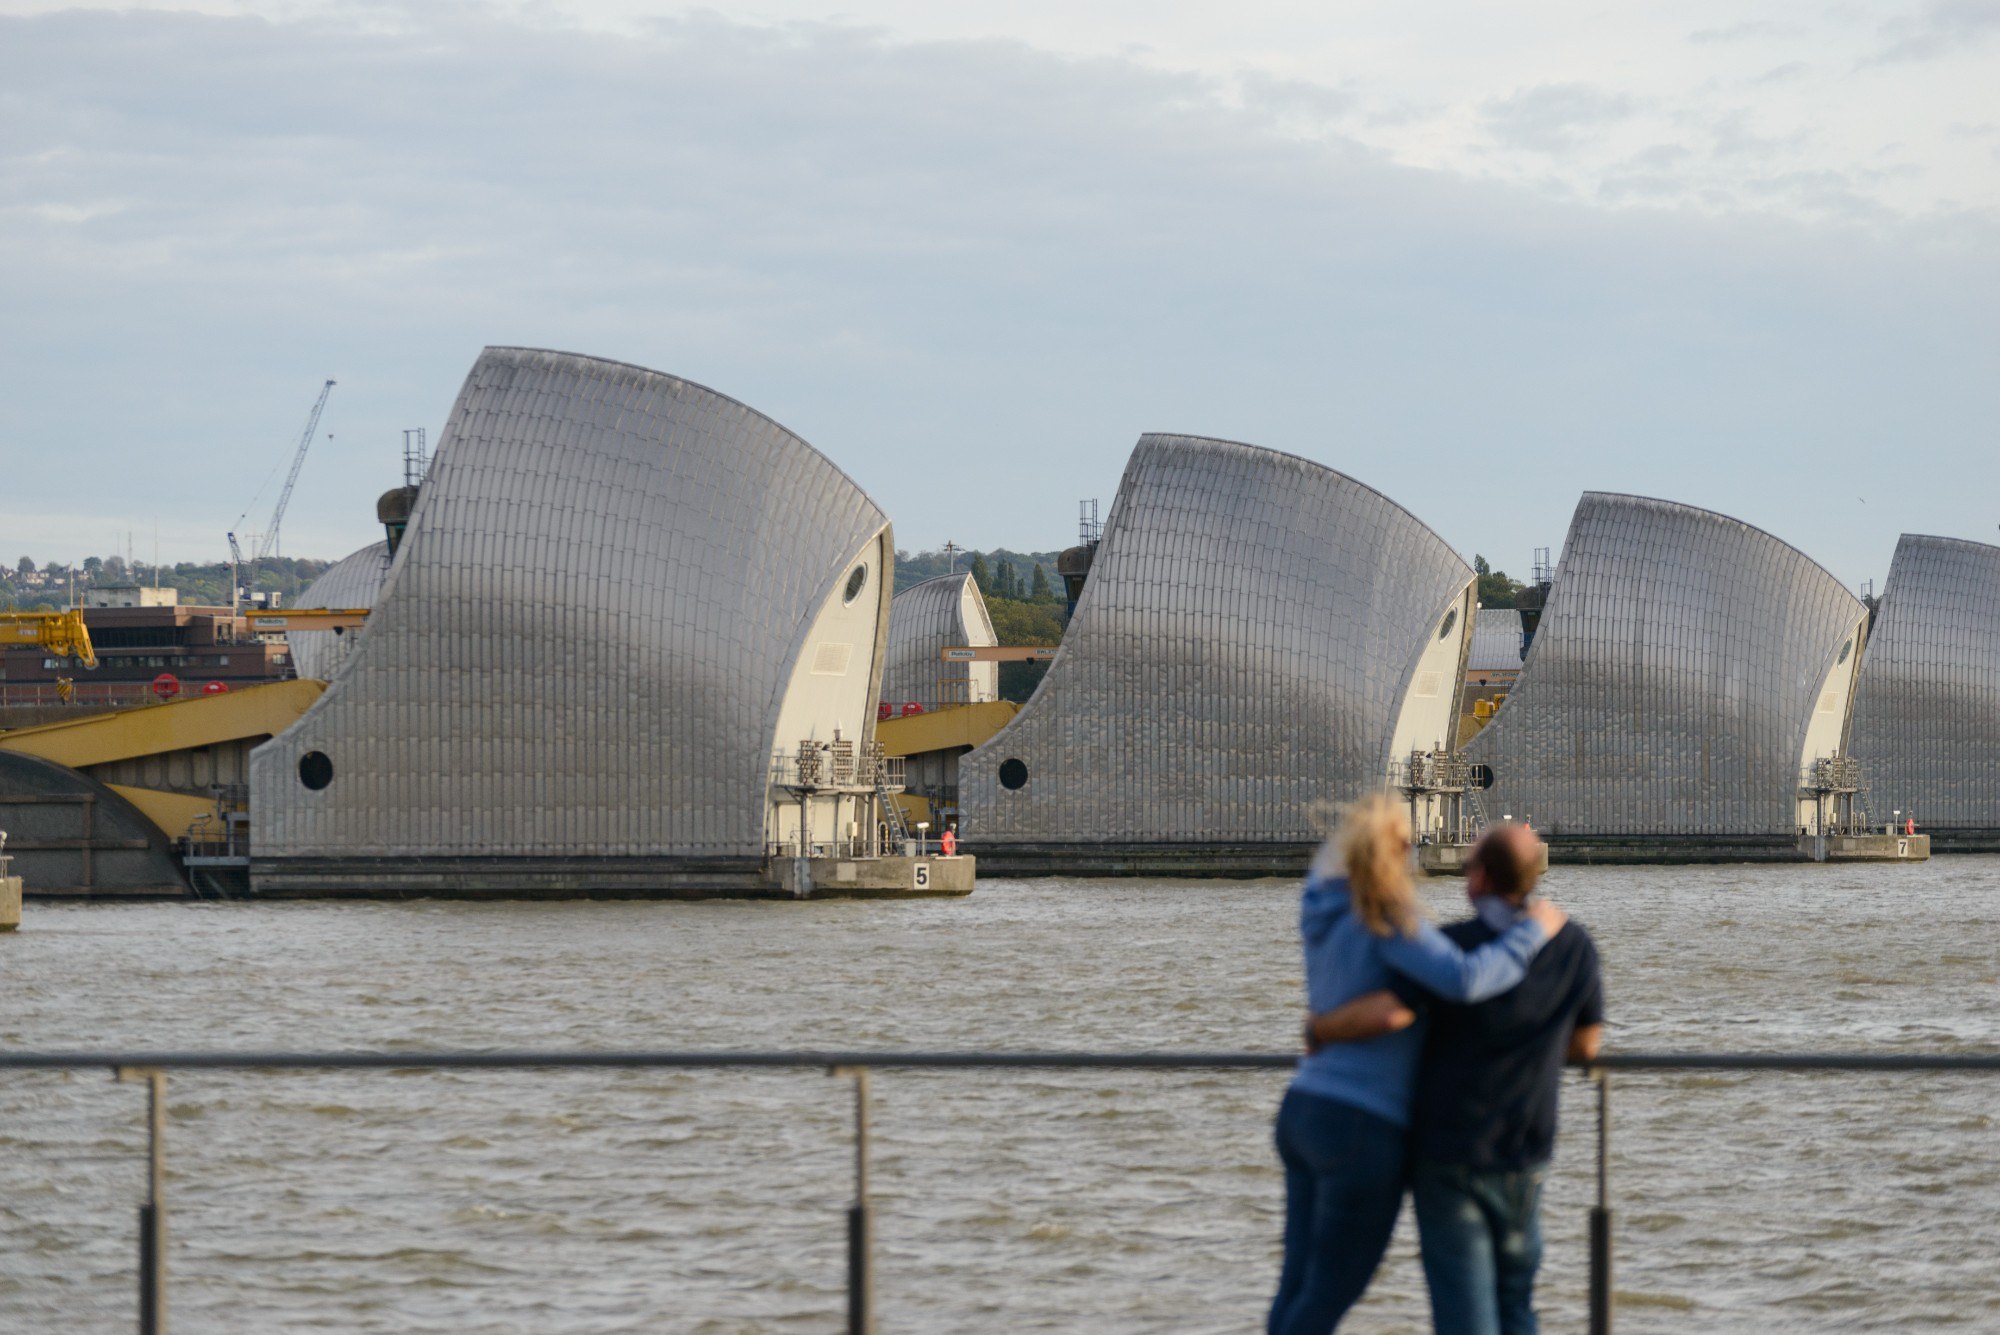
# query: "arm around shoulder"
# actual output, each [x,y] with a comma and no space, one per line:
[1435,960]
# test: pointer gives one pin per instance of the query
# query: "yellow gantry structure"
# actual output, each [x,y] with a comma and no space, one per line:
[61,633]
[101,744]
[308,618]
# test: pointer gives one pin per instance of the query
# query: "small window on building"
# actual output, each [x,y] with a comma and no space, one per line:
[1013,774]
[1845,650]
[223,661]
[315,770]
[857,580]
[1450,620]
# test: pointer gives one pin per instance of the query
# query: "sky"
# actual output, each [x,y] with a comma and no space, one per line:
[1744,256]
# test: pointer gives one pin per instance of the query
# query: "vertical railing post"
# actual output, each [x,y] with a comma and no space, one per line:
[860,1229]
[153,1214]
[1600,1214]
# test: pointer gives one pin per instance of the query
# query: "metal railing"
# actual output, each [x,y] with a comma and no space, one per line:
[151,1068]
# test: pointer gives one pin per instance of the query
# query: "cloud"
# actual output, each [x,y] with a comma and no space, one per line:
[1748,30]
[1789,72]
[1938,28]
[1551,118]
[970,271]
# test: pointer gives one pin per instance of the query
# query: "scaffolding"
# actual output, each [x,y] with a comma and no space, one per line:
[843,791]
[1442,788]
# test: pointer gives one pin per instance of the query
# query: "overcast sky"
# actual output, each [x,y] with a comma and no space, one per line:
[1738,255]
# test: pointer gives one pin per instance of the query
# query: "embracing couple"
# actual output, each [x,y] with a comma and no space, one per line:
[1433,1062]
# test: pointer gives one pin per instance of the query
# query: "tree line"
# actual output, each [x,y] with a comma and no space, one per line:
[29,586]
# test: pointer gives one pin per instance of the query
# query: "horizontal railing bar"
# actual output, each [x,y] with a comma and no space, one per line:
[807,1060]
[1793,1061]
[890,1059]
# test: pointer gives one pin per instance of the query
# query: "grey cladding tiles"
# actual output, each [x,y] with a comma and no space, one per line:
[923,620]
[352,581]
[1672,680]
[1250,628]
[1496,641]
[585,641]
[1927,715]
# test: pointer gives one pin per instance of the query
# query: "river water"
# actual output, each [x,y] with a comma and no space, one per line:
[713,1201]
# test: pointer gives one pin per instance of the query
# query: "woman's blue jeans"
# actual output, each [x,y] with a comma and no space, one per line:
[1343,1187]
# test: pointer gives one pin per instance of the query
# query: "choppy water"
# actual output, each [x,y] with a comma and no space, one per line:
[712,1202]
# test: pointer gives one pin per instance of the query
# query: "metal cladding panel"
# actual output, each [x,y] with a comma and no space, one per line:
[1496,641]
[353,581]
[1927,712]
[1240,653]
[1672,679]
[923,620]
[584,642]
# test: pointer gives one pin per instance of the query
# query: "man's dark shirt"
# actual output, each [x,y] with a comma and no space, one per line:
[1486,1089]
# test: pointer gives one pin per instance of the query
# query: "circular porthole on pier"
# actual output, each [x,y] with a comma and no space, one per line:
[1013,774]
[857,580]
[315,770]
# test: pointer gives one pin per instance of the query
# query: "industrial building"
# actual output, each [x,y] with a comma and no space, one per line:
[1927,713]
[631,643]
[149,646]
[1689,677]
[1257,635]
[354,581]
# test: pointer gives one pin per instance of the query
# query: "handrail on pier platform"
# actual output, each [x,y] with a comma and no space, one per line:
[150,1068]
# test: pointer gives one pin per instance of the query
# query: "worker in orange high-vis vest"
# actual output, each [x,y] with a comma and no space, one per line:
[948,841]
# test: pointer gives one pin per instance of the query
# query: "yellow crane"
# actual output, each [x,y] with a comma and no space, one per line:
[61,633]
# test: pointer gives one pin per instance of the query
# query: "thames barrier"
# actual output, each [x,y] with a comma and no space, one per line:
[625,635]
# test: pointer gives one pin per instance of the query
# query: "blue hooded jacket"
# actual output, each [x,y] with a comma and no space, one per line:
[1345,960]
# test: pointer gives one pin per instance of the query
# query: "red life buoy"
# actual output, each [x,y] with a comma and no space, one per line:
[166,686]
[911,707]
[884,710]
[216,688]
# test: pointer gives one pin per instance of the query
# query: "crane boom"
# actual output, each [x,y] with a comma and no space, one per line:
[269,542]
[61,633]
[235,561]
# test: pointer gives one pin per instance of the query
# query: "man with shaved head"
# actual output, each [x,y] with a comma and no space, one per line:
[1483,1126]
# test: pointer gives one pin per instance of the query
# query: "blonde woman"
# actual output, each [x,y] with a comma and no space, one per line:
[1341,1127]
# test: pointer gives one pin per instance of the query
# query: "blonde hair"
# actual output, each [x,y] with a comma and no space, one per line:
[1373,842]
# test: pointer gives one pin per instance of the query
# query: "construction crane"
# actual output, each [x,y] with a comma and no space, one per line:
[269,541]
[61,633]
[235,560]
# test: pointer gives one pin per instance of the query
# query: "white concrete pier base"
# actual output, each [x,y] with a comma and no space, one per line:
[1872,847]
[875,878]
[1449,859]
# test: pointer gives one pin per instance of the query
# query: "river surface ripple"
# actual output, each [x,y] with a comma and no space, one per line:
[713,1201]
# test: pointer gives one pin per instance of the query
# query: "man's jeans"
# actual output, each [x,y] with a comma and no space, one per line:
[1482,1239]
